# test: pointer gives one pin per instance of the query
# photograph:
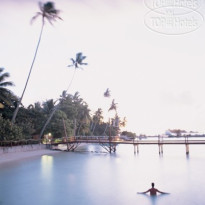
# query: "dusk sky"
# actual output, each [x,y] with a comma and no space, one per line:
[157,79]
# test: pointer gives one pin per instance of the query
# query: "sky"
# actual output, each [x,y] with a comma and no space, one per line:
[154,69]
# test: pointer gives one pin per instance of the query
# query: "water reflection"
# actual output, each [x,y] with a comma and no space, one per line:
[154,200]
[98,178]
[46,166]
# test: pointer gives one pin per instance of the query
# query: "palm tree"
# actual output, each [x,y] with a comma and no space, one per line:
[76,98]
[113,106]
[116,121]
[123,122]
[107,93]
[48,106]
[83,117]
[112,122]
[5,94]
[75,63]
[49,13]
[36,106]
[97,118]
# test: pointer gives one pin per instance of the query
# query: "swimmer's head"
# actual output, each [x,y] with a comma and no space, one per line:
[152,184]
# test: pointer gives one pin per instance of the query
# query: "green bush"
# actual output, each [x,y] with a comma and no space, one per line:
[9,131]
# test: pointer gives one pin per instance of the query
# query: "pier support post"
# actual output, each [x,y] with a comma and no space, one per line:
[187,145]
[160,148]
[187,148]
[135,148]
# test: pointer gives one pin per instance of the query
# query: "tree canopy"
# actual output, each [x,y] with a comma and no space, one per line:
[72,118]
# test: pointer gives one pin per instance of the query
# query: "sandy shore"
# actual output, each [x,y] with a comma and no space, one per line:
[16,156]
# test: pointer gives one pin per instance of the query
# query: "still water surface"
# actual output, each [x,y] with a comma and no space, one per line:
[93,177]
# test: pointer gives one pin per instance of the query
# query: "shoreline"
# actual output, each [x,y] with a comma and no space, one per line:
[18,156]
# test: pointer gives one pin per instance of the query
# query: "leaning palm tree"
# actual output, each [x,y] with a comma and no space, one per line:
[49,13]
[76,64]
[5,94]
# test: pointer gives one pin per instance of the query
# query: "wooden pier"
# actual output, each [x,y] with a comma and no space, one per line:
[110,143]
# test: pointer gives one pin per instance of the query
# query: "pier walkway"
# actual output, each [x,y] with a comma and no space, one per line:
[110,143]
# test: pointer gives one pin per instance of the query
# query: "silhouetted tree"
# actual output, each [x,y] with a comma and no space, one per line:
[113,106]
[107,93]
[47,12]
[5,93]
[97,118]
[75,63]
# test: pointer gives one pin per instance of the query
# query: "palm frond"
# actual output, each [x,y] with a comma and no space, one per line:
[3,76]
[83,63]
[78,61]
[6,95]
[35,17]
[5,84]
[83,57]
[63,94]
[107,93]
[73,62]
[78,56]
[47,11]
[113,106]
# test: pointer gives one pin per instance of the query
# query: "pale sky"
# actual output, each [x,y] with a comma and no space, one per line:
[158,80]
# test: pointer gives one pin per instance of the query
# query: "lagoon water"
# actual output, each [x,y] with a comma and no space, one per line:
[91,176]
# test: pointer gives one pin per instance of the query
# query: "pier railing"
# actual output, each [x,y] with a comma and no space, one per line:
[10,143]
[110,143]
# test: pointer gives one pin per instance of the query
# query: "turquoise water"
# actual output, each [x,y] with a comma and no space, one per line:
[92,176]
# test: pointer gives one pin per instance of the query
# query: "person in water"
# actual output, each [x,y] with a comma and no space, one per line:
[152,191]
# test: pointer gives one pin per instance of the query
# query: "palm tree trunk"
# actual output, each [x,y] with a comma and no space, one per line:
[105,129]
[65,133]
[64,127]
[74,130]
[34,58]
[48,120]
[54,110]
[94,128]
[91,126]
[79,128]
[56,107]
[71,80]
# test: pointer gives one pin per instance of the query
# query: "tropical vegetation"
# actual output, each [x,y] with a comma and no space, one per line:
[6,96]
[76,63]
[69,115]
[72,118]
